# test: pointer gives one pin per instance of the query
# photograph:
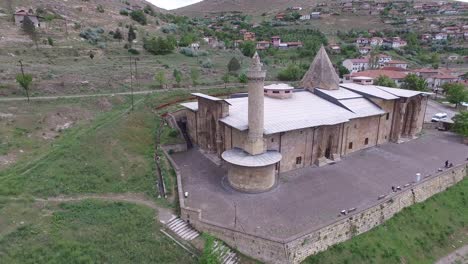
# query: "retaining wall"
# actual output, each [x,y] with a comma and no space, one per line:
[295,249]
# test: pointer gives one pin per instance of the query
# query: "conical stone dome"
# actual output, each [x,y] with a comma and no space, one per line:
[321,73]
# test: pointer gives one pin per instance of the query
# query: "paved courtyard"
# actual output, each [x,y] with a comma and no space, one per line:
[312,197]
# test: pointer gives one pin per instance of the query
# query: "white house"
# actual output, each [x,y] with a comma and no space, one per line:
[356,65]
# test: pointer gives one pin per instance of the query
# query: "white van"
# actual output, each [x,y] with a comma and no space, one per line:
[439,117]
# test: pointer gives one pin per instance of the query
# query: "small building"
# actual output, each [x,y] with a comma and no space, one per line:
[195,46]
[384,58]
[356,65]
[364,50]
[396,76]
[262,45]
[280,16]
[376,41]
[362,41]
[397,63]
[315,15]
[22,13]
[276,41]
[335,48]
[249,36]
[440,36]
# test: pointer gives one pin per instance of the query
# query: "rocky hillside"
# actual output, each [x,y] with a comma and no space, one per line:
[246,6]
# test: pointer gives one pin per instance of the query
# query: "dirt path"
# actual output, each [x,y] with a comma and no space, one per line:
[163,214]
[458,256]
[10,99]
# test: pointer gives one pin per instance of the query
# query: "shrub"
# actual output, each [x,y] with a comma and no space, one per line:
[92,35]
[207,64]
[139,16]
[189,52]
[123,12]
[133,51]
[169,28]
[158,46]
[173,133]
[100,8]
[50,41]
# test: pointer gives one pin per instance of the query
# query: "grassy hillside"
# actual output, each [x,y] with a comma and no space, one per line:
[419,234]
[84,232]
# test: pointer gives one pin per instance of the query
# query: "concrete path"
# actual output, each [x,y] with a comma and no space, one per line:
[458,256]
[312,197]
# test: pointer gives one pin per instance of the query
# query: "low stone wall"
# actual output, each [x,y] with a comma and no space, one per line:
[363,221]
[296,249]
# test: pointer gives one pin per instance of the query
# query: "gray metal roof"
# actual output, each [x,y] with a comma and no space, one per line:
[303,110]
[239,157]
[362,107]
[191,105]
[371,90]
[401,92]
[341,93]
[209,97]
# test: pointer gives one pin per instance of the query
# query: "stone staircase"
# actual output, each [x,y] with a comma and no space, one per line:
[226,255]
[182,229]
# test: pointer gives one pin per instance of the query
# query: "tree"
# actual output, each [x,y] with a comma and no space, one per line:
[177,76]
[24,80]
[234,65]
[160,79]
[385,81]
[131,35]
[248,48]
[291,73]
[460,125]
[159,46]
[342,70]
[195,75]
[30,29]
[373,61]
[243,78]
[456,93]
[118,35]
[413,82]
[226,78]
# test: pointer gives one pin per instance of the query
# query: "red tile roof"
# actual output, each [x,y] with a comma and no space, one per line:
[376,73]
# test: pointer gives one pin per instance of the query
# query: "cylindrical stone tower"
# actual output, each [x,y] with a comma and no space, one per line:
[256,77]
[252,169]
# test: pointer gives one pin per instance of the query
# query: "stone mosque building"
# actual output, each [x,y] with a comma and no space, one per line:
[278,128]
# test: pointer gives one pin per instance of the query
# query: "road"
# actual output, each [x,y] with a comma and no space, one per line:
[11,99]
[434,107]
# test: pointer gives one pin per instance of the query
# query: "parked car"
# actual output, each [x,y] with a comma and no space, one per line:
[439,117]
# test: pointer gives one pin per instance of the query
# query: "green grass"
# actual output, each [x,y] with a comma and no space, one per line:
[112,154]
[419,234]
[84,232]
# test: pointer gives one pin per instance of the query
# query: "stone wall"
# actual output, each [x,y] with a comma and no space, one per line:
[358,132]
[295,249]
[360,222]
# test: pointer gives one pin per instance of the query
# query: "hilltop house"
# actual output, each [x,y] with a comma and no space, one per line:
[356,65]
[396,76]
[249,36]
[22,13]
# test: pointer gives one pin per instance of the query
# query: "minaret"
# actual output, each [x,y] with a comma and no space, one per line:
[255,144]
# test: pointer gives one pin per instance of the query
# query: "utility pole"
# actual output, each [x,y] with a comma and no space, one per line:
[131,81]
[21,64]
[136,74]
